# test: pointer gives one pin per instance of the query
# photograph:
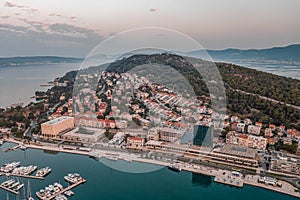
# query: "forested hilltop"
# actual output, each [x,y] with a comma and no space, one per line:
[250,93]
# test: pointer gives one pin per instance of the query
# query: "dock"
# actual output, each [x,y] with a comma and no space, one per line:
[12,148]
[27,176]
[24,176]
[65,189]
[9,190]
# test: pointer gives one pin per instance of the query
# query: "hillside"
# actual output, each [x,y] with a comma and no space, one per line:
[261,96]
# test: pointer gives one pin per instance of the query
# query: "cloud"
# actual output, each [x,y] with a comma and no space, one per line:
[54,15]
[56,39]
[152,9]
[13,28]
[72,18]
[30,10]
[4,17]
[39,26]
[21,7]
[13,5]
[68,29]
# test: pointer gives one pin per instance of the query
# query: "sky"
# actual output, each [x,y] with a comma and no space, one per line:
[74,27]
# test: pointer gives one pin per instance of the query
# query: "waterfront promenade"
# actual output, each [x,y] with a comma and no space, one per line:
[218,174]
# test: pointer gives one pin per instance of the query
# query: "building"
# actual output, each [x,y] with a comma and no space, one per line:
[203,135]
[298,150]
[233,137]
[268,132]
[240,127]
[230,154]
[236,155]
[244,140]
[135,142]
[255,130]
[97,123]
[75,136]
[153,134]
[286,164]
[4,133]
[257,142]
[272,127]
[122,124]
[57,126]
[169,134]
[271,141]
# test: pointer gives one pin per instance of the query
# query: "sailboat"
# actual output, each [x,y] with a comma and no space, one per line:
[29,191]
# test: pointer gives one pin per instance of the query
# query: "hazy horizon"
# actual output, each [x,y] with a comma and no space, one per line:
[73,28]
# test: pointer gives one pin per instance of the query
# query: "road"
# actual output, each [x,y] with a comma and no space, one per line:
[266,98]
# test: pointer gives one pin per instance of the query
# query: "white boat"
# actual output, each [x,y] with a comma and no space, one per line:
[14,185]
[24,170]
[73,178]
[43,172]
[8,182]
[8,167]
[19,187]
[23,147]
[61,197]
[69,193]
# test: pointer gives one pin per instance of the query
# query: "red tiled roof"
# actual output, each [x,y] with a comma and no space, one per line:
[136,138]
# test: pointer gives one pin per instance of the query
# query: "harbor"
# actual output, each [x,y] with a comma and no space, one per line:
[218,174]
[98,175]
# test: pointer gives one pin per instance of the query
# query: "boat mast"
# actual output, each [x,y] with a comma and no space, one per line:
[28,189]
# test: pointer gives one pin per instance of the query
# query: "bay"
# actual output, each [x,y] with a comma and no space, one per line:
[19,83]
[108,184]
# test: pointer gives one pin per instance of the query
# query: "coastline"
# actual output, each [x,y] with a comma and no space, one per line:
[216,173]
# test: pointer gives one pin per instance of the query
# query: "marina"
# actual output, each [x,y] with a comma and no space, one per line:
[56,190]
[98,175]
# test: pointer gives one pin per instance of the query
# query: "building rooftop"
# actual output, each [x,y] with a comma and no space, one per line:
[237,151]
[58,120]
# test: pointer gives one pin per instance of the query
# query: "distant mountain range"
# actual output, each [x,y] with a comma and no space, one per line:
[16,61]
[287,53]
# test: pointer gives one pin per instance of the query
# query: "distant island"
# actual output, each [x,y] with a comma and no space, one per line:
[18,61]
[276,54]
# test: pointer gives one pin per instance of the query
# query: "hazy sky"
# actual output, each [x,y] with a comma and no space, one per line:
[74,27]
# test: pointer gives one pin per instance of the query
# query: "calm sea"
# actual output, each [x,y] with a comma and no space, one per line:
[18,83]
[104,183]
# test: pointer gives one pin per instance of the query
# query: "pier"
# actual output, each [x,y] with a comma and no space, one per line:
[9,190]
[12,148]
[27,176]
[24,176]
[64,190]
